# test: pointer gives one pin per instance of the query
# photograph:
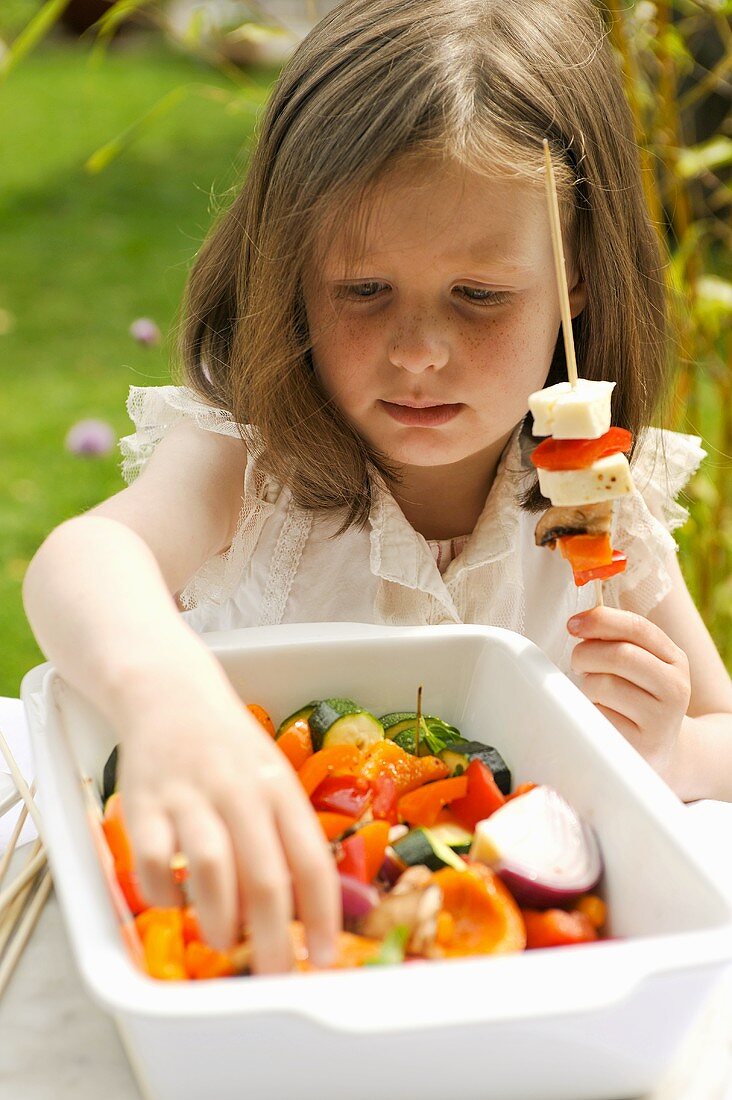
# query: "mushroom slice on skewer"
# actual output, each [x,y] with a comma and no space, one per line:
[585,519]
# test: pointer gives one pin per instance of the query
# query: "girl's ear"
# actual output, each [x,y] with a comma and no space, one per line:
[578,297]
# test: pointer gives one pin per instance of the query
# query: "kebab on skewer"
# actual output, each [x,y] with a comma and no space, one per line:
[582,466]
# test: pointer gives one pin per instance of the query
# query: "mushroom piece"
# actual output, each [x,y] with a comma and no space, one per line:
[561,521]
[415,902]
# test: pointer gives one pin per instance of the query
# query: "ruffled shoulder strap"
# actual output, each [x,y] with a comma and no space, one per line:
[154,410]
[644,521]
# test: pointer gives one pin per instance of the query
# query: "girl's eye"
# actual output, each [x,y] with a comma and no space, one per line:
[360,291]
[483,296]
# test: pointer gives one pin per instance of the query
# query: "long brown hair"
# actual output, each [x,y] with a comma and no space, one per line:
[482,81]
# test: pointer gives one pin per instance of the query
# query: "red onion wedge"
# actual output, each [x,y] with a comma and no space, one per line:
[542,850]
[392,867]
[358,898]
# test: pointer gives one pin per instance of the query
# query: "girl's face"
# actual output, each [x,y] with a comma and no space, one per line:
[432,340]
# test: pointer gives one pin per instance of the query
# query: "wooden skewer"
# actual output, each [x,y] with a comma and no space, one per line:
[21,783]
[560,268]
[560,265]
[5,861]
[25,927]
[26,875]
[15,908]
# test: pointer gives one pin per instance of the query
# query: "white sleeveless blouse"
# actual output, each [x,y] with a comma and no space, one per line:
[282,567]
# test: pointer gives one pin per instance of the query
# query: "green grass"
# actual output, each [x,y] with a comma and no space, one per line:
[82,256]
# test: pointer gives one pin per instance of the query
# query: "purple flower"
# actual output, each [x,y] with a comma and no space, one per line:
[145,331]
[90,437]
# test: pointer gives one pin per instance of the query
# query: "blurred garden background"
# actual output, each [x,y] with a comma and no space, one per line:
[125,126]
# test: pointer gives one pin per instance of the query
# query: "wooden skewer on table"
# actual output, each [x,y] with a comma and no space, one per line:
[17,918]
[560,268]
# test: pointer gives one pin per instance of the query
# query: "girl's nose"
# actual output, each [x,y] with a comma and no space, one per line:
[416,347]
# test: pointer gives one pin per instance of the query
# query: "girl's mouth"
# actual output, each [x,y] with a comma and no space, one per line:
[429,417]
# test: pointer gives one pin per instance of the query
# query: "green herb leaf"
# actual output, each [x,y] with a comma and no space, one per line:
[393,949]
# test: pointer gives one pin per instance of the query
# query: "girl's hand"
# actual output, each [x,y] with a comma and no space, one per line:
[200,775]
[636,676]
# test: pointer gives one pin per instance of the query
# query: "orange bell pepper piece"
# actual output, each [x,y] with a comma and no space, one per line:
[296,743]
[523,788]
[376,838]
[408,772]
[586,551]
[161,932]
[601,572]
[202,961]
[338,760]
[115,831]
[557,928]
[482,916]
[191,928]
[335,825]
[422,807]
[262,717]
[594,909]
[130,888]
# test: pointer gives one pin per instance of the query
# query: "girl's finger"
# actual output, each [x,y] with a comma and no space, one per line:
[623,725]
[622,659]
[153,844]
[612,625]
[615,693]
[263,875]
[205,842]
[315,879]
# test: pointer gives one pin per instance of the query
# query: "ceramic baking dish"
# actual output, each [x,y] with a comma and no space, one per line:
[595,1022]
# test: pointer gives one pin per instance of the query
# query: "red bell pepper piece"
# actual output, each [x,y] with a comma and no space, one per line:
[384,804]
[421,807]
[602,572]
[351,859]
[557,928]
[482,798]
[342,794]
[577,454]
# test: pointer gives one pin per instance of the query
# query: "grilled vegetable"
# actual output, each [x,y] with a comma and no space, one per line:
[586,519]
[343,722]
[401,728]
[541,848]
[458,755]
[304,713]
[109,778]
[426,846]
[578,454]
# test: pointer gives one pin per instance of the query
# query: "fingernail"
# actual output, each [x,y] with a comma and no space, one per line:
[574,624]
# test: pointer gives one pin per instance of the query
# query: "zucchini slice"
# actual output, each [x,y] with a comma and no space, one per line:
[343,722]
[426,846]
[458,755]
[401,728]
[109,778]
[303,712]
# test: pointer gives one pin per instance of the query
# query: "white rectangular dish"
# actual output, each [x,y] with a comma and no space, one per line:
[596,1022]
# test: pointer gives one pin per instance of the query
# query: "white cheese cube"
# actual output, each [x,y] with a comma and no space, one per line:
[605,479]
[582,412]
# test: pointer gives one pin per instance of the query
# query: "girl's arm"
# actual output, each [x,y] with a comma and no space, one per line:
[197,771]
[662,683]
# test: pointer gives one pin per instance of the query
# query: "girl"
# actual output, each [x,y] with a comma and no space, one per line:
[363,330]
